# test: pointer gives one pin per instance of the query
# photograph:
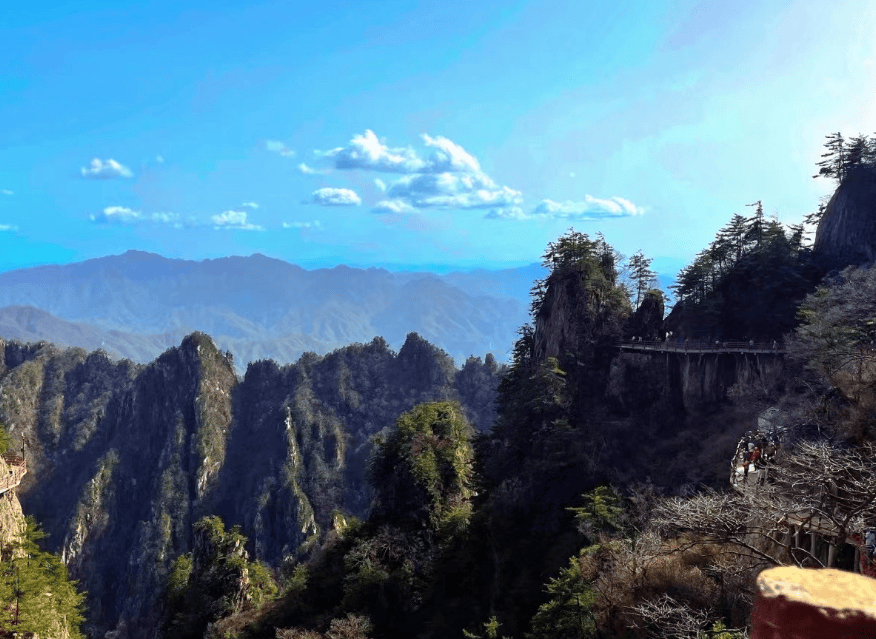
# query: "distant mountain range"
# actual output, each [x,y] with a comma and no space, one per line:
[137,305]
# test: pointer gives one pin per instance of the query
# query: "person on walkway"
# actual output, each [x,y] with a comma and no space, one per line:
[746,459]
[755,457]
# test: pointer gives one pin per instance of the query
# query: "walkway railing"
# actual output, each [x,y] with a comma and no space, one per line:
[702,347]
[17,469]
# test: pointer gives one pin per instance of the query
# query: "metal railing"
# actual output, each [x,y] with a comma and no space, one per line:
[703,346]
[17,469]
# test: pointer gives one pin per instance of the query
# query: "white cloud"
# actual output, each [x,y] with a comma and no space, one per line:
[250,205]
[392,206]
[449,156]
[306,170]
[334,197]
[452,190]
[124,215]
[450,178]
[509,213]
[116,215]
[98,169]
[8,227]
[233,220]
[367,152]
[315,225]
[159,159]
[590,208]
[5,192]
[276,146]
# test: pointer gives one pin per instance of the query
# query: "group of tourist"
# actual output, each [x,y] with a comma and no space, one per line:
[758,451]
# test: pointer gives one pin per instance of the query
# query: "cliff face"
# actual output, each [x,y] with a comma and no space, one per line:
[672,416]
[691,382]
[847,231]
[125,458]
[12,523]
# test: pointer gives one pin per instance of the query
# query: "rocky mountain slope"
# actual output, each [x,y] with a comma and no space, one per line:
[124,458]
[138,304]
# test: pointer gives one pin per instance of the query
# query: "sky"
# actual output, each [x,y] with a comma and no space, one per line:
[416,135]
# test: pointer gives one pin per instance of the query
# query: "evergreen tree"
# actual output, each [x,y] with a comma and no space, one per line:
[641,274]
[755,225]
[35,593]
[815,218]
[857,151]
[734,233]
[835,160]
[869,155]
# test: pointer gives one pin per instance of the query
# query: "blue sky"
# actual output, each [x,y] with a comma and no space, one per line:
[416,134]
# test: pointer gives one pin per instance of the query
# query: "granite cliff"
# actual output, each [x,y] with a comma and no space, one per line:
[846,233]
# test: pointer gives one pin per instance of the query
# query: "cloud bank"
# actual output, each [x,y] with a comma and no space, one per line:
[103,170]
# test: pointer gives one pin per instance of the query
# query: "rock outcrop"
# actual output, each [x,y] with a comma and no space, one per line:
[692,381]
[847,231]
[647,320]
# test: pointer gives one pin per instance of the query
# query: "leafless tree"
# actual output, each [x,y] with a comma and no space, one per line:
[668,618]
[818,487]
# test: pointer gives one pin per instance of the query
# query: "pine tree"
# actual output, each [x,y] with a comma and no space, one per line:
[857,151]
[35,593]
[641,274]
[869,157]
[834,163]
[756,224]
[734,234]
[815,218]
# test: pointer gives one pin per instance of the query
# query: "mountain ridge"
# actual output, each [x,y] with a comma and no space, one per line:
[138,304]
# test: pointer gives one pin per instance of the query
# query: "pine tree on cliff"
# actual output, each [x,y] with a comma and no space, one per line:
[834,163]
[869,158]
[857,151]
[640,271]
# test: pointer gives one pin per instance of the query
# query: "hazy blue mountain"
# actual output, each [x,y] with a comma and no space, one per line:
[138,304]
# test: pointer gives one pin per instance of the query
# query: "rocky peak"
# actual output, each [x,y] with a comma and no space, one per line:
[847,231]
[647,320]
[555,324]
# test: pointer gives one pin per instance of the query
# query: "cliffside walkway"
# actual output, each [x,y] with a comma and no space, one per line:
[17,469]
[702,347]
